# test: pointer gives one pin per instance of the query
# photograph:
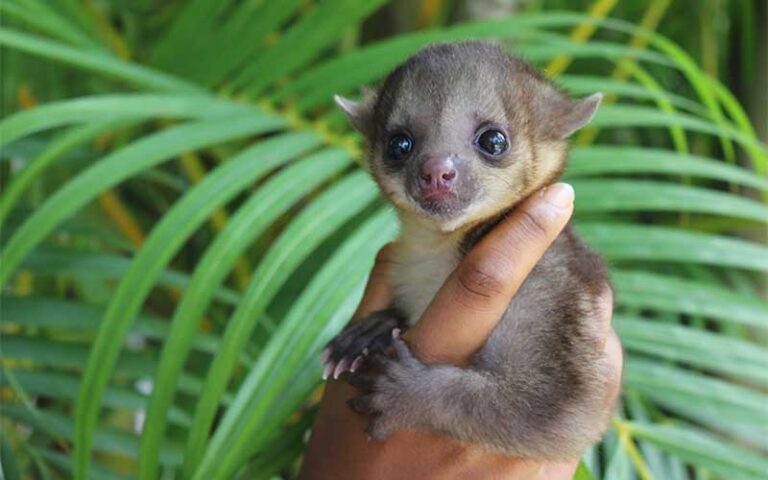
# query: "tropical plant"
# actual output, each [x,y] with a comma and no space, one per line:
[186,223]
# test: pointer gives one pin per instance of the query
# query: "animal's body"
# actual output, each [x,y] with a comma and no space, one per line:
[457,136]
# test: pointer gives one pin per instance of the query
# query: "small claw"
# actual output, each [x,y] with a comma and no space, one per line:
[340,368]
[325,356]
[356,363]
[328,370]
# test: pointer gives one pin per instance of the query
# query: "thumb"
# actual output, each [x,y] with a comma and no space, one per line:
[475,296]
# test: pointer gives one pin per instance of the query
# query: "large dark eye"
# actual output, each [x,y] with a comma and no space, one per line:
[492,142]
[399,146]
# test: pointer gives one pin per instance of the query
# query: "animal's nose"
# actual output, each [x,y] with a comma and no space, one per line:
[437,174]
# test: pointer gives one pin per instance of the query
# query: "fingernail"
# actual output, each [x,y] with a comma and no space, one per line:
[560,195]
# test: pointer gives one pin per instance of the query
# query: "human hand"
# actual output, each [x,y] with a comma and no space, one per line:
[455,325]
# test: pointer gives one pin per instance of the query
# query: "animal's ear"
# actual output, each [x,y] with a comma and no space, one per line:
[572,115]
[360,114]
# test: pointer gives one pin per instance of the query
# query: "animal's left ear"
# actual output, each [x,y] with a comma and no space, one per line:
[574,114]
[360,114]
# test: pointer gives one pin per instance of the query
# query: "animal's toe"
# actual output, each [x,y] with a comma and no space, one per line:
[362,404]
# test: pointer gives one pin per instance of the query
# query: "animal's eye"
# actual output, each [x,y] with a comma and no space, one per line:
[493,142]
[399,146]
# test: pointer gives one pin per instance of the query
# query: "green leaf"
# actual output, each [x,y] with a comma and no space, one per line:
[271,201]
[74,317]
[582,85]
[703,449]
[37,166]
[592,49]
[46,19]
[194,19]
[117,166]
[661,244]
[304,329]
[656,460]
[313,32]
[372,62]
[736,357]
[208,59]
[83,266]
[108,440]
[64,462]
[583,473]
[697,392]
[105,108]
[620,116]
[638,195]
[185,216]
[95,61]
[671,294]
[320,219]
[62,354]
[601,160]
[64,387]
[9,468]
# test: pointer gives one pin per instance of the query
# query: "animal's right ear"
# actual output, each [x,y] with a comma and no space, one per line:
[360,113]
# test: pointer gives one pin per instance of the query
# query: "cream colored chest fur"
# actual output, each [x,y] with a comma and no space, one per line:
[423,260]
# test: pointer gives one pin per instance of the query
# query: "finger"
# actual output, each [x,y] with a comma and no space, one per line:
[605,310]
[378,292]
[403,352]
[475,296]
[615,357]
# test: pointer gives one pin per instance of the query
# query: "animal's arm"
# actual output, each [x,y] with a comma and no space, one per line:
[498,409]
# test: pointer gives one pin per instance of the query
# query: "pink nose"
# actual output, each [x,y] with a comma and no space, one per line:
[437,175]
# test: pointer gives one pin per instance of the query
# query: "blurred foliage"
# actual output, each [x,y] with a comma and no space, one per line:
[185,222]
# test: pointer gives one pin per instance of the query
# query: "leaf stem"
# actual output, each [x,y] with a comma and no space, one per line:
[625,437]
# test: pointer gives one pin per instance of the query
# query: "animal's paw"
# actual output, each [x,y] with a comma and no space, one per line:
[389,396]
[358,340]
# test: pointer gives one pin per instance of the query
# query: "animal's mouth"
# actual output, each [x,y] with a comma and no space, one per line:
[443,204]
[438,196]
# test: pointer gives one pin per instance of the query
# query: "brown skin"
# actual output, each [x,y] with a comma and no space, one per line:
[454,326]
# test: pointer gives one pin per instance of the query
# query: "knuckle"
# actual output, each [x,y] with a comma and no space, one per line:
[615,357]
[604,304]
[533,225]
[480,279]
[384,255]
[605,297]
